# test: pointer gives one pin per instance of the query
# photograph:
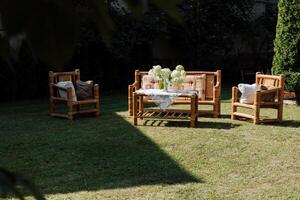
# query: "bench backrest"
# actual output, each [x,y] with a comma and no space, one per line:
[205,81]
[55,77]
[270,80]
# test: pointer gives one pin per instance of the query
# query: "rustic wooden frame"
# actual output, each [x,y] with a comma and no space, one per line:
[73,107]
[215,100]
[258,104]
[169,114]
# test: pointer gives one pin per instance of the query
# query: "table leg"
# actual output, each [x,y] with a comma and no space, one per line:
[141,105]
[135,102]
[193,111]
[196,105]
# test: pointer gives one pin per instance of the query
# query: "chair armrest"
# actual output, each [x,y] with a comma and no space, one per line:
[217,91]
[271,94]
[275,90]
[257,98]
[58,87]
[54,91]
[134,85]
[96,91]
[235,91]
[90,82]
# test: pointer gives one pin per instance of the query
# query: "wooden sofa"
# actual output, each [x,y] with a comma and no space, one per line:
[207,83]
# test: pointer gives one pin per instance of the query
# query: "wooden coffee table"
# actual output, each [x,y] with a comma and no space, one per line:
[139,112]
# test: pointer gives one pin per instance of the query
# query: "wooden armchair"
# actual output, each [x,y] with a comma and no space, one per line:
[277,88]
[73,107]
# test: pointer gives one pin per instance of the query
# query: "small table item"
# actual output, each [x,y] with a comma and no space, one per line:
[159,97]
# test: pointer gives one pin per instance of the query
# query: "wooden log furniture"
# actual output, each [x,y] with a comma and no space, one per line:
[169,114]
[73,107]
[277,85]
[207,83]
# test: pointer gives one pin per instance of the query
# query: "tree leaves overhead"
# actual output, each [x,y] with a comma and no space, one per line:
[52,26]
[170,7]
[5,55]
[137,7]
[102,18]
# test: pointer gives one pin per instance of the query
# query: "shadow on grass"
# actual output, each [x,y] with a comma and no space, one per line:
[86,154]
[225,116]
[287,123]
[200,124]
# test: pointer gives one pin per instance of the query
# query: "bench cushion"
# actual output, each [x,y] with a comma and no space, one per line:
[269,97]
[191,82]
[248,93]
[148,82]
[84,90]
[66,85]
[201,86]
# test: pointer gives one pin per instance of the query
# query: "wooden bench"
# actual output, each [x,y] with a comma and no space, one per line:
[207,83]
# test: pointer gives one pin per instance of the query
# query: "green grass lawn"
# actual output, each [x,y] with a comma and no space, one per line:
[109,158]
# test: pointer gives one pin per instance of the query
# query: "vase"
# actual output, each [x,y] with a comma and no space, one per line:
[163,85]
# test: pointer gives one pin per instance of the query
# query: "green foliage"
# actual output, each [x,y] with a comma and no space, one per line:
[213,27]
[50,26]
[53,27]
[292,80]
[287,42]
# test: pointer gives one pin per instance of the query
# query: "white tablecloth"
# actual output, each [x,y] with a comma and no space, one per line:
[163,99]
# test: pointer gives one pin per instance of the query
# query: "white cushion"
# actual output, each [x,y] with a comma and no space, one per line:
[66,85]
[248,93]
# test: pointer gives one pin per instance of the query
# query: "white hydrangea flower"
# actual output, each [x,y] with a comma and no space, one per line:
[165,73]
[175,73]
[157,70]
[176,81]
[179,68]
[178,75]
[151,72]
[183,74]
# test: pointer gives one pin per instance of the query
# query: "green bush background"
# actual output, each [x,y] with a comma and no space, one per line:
[287,43]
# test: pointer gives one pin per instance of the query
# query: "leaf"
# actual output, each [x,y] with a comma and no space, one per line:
[5,54]
[137,7]
[52,27]
[103,20]
[170,7]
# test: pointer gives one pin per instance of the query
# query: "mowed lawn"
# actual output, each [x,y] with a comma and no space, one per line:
[109,158]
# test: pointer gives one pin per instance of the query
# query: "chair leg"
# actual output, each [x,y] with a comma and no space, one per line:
[130,100]
[130,110]
[52,107]
[233,110]
[98,108]
[216,110]
[279,113]
[70,110]
[219,109]
[256,115]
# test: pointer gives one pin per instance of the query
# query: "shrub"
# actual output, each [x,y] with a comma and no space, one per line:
[287,43]
[292,80]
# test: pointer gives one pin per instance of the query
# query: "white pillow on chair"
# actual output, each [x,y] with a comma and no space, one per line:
[248,93]
[66,85]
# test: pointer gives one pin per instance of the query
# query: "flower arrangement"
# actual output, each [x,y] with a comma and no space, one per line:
[166,76]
